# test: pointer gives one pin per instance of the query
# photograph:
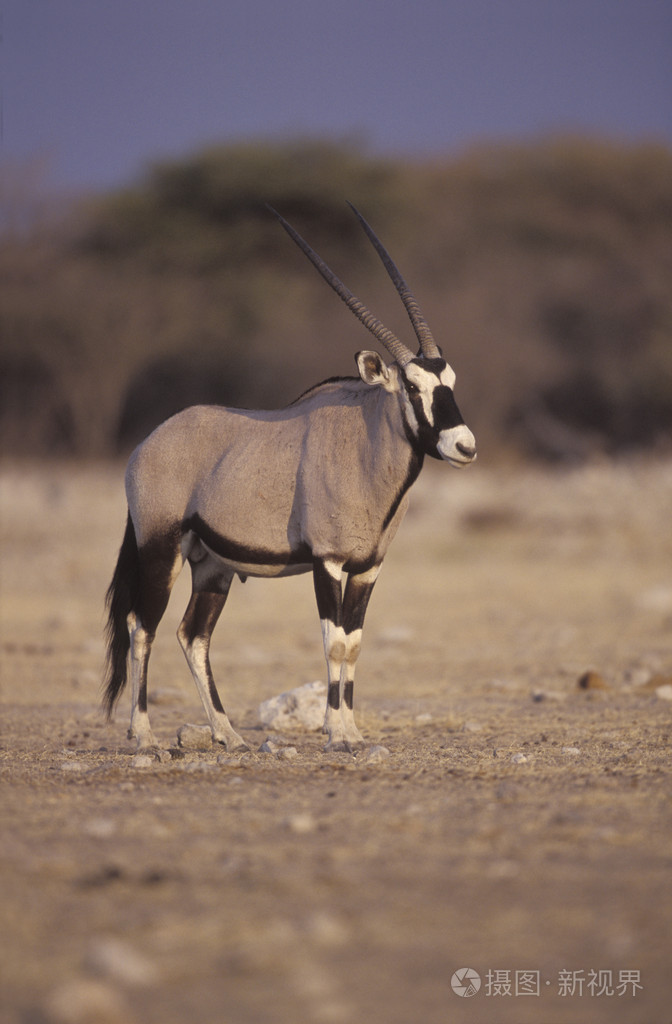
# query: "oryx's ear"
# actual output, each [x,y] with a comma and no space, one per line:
[373,370]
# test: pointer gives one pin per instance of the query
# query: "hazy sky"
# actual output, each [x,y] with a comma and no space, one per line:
[99,88]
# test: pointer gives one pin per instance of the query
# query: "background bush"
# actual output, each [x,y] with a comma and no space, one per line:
[543,269]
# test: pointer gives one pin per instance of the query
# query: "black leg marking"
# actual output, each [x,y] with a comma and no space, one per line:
[328,593]
[157,563]
[334,694]
[355,603]
[199,620]
[348,693]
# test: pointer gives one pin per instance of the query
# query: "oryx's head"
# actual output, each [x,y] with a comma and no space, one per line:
[423,383]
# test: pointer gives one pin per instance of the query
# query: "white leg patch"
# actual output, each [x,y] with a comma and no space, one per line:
[140,729]
[222,730]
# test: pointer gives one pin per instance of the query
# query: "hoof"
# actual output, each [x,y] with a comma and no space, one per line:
[338,747]
[233,744]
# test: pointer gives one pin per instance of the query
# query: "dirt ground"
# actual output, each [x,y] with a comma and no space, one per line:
[520,826]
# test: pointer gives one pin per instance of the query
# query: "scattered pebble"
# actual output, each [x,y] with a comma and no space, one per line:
[570,751]
[541,695]
[375,755]
[100,828]
[519,758]
[143,761]
[116,960]
[194,737]
[651,682]
[472,726]
[287,754]
[269,747]
[664,692]
[424,718]
[591,680]
[86,1001]
[302,824]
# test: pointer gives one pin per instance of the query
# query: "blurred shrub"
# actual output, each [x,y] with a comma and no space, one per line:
[544,270]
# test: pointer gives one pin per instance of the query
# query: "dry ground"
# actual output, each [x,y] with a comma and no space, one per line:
[331,888]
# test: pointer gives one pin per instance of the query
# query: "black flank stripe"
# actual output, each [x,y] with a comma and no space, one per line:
[235,552]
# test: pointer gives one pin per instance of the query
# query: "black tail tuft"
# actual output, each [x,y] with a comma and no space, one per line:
[121,599]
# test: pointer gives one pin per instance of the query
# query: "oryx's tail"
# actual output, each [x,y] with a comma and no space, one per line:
[120,600]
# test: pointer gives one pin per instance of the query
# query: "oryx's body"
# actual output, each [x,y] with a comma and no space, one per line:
[318,486]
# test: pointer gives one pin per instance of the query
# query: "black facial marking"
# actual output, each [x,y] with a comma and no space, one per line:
[444,409]
[433,365]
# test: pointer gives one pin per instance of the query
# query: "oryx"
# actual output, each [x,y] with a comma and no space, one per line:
[320,486]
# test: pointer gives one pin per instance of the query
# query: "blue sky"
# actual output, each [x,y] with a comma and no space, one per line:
[94,90]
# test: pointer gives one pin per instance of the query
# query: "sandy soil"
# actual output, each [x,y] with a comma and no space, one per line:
[519,824]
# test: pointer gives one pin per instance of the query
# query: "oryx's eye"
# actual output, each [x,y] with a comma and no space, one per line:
[412,389]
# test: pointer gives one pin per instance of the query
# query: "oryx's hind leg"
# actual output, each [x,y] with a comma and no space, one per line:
[342,619]
[160,562]
[194,634]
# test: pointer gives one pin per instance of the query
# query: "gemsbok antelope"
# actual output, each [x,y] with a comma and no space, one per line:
[320,486]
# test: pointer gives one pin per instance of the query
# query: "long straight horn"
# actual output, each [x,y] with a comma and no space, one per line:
[396,348]
[427,344]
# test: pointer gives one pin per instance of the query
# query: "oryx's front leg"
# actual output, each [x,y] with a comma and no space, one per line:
[342,620]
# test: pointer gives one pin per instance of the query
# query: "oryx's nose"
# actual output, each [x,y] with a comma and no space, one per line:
[468,450]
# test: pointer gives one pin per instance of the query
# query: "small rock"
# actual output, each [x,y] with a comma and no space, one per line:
[472,726]
[424,718]
[591,680]
[287,754]
[100,828]
[194,737]
[86,1001]
[269,747]
[375,755]
[301,708]
[541,695]
[655,681]
[73,766]
[664,692]
[302,824]
[519,759]
[143,761]
[111,958]
[570,751]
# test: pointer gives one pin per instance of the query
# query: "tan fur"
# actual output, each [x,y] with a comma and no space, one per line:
[322,472]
